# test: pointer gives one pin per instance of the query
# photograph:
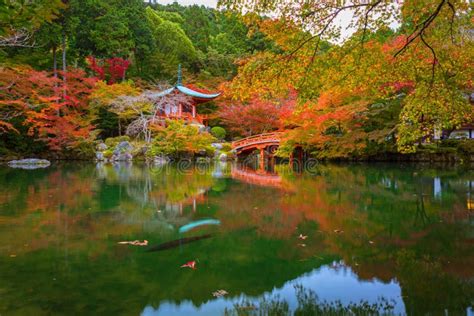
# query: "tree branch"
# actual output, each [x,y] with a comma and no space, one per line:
[420,28]
[18,38]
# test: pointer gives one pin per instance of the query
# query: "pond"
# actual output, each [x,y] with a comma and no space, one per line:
[338,238]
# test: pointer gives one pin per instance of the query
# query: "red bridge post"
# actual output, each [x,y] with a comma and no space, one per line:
[261,158]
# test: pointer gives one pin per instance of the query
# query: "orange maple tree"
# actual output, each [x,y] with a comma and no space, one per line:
[55,112]
[258,115]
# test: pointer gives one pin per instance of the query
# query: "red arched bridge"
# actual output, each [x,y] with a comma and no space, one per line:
[266,143]
[260,141]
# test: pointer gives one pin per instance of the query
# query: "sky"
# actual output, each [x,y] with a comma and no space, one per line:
[207,3]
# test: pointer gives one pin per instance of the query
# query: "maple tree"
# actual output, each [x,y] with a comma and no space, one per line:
[62,122]
[112,69]
[257,115]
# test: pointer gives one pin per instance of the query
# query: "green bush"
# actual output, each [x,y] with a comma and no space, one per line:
[449,143]
[108,153]
[226,147]
[218,132]
[179,139]
[112,141]
[84,150]
[466,147]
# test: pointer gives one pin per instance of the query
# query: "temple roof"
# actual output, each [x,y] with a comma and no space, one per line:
[196,94]
[187,91]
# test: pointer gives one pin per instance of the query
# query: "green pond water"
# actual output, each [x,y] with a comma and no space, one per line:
[374,239]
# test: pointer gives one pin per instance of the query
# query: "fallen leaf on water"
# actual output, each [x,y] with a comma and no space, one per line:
[219,293]
[302,237]
[302,245]
[338,231]
[134,243]
[12,256]
[190,264]
[371,242]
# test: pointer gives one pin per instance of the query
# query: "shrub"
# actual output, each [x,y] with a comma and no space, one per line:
[449,143]
[226,147]
[178,139]
[113,141]
[108,153]
[218,132]
[84,150]
[466,147]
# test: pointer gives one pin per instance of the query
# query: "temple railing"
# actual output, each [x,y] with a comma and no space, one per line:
[256,140]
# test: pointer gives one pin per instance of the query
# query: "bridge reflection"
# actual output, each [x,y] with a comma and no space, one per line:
[259,177]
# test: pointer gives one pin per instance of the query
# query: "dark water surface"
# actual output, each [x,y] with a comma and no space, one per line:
[380,239]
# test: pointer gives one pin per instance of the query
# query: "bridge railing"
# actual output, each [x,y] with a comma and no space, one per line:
[256,139]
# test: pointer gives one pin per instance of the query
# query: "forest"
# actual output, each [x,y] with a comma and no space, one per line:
[384,78]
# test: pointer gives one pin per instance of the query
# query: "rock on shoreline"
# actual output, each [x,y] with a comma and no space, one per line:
[31,163]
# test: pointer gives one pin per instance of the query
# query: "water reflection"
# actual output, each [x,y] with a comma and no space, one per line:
[329,283]
[403,233]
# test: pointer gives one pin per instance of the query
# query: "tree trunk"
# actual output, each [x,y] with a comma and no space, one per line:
[63,46]
[55,62]
[119,127]
[55,74]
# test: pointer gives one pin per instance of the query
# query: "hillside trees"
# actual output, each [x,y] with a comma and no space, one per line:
[172,45]
[20,19]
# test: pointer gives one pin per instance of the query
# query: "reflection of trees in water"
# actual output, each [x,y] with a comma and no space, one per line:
[428,288]
[165,191]
[69,203]
[342,209]
[368,214]
[309,304]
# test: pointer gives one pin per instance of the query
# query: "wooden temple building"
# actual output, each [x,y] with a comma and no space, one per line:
[187,112]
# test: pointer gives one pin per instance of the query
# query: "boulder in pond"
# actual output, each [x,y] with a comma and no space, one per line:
[102,147]
[122,157]
[99,156]
[122,152]
[124,146]
[31,163]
